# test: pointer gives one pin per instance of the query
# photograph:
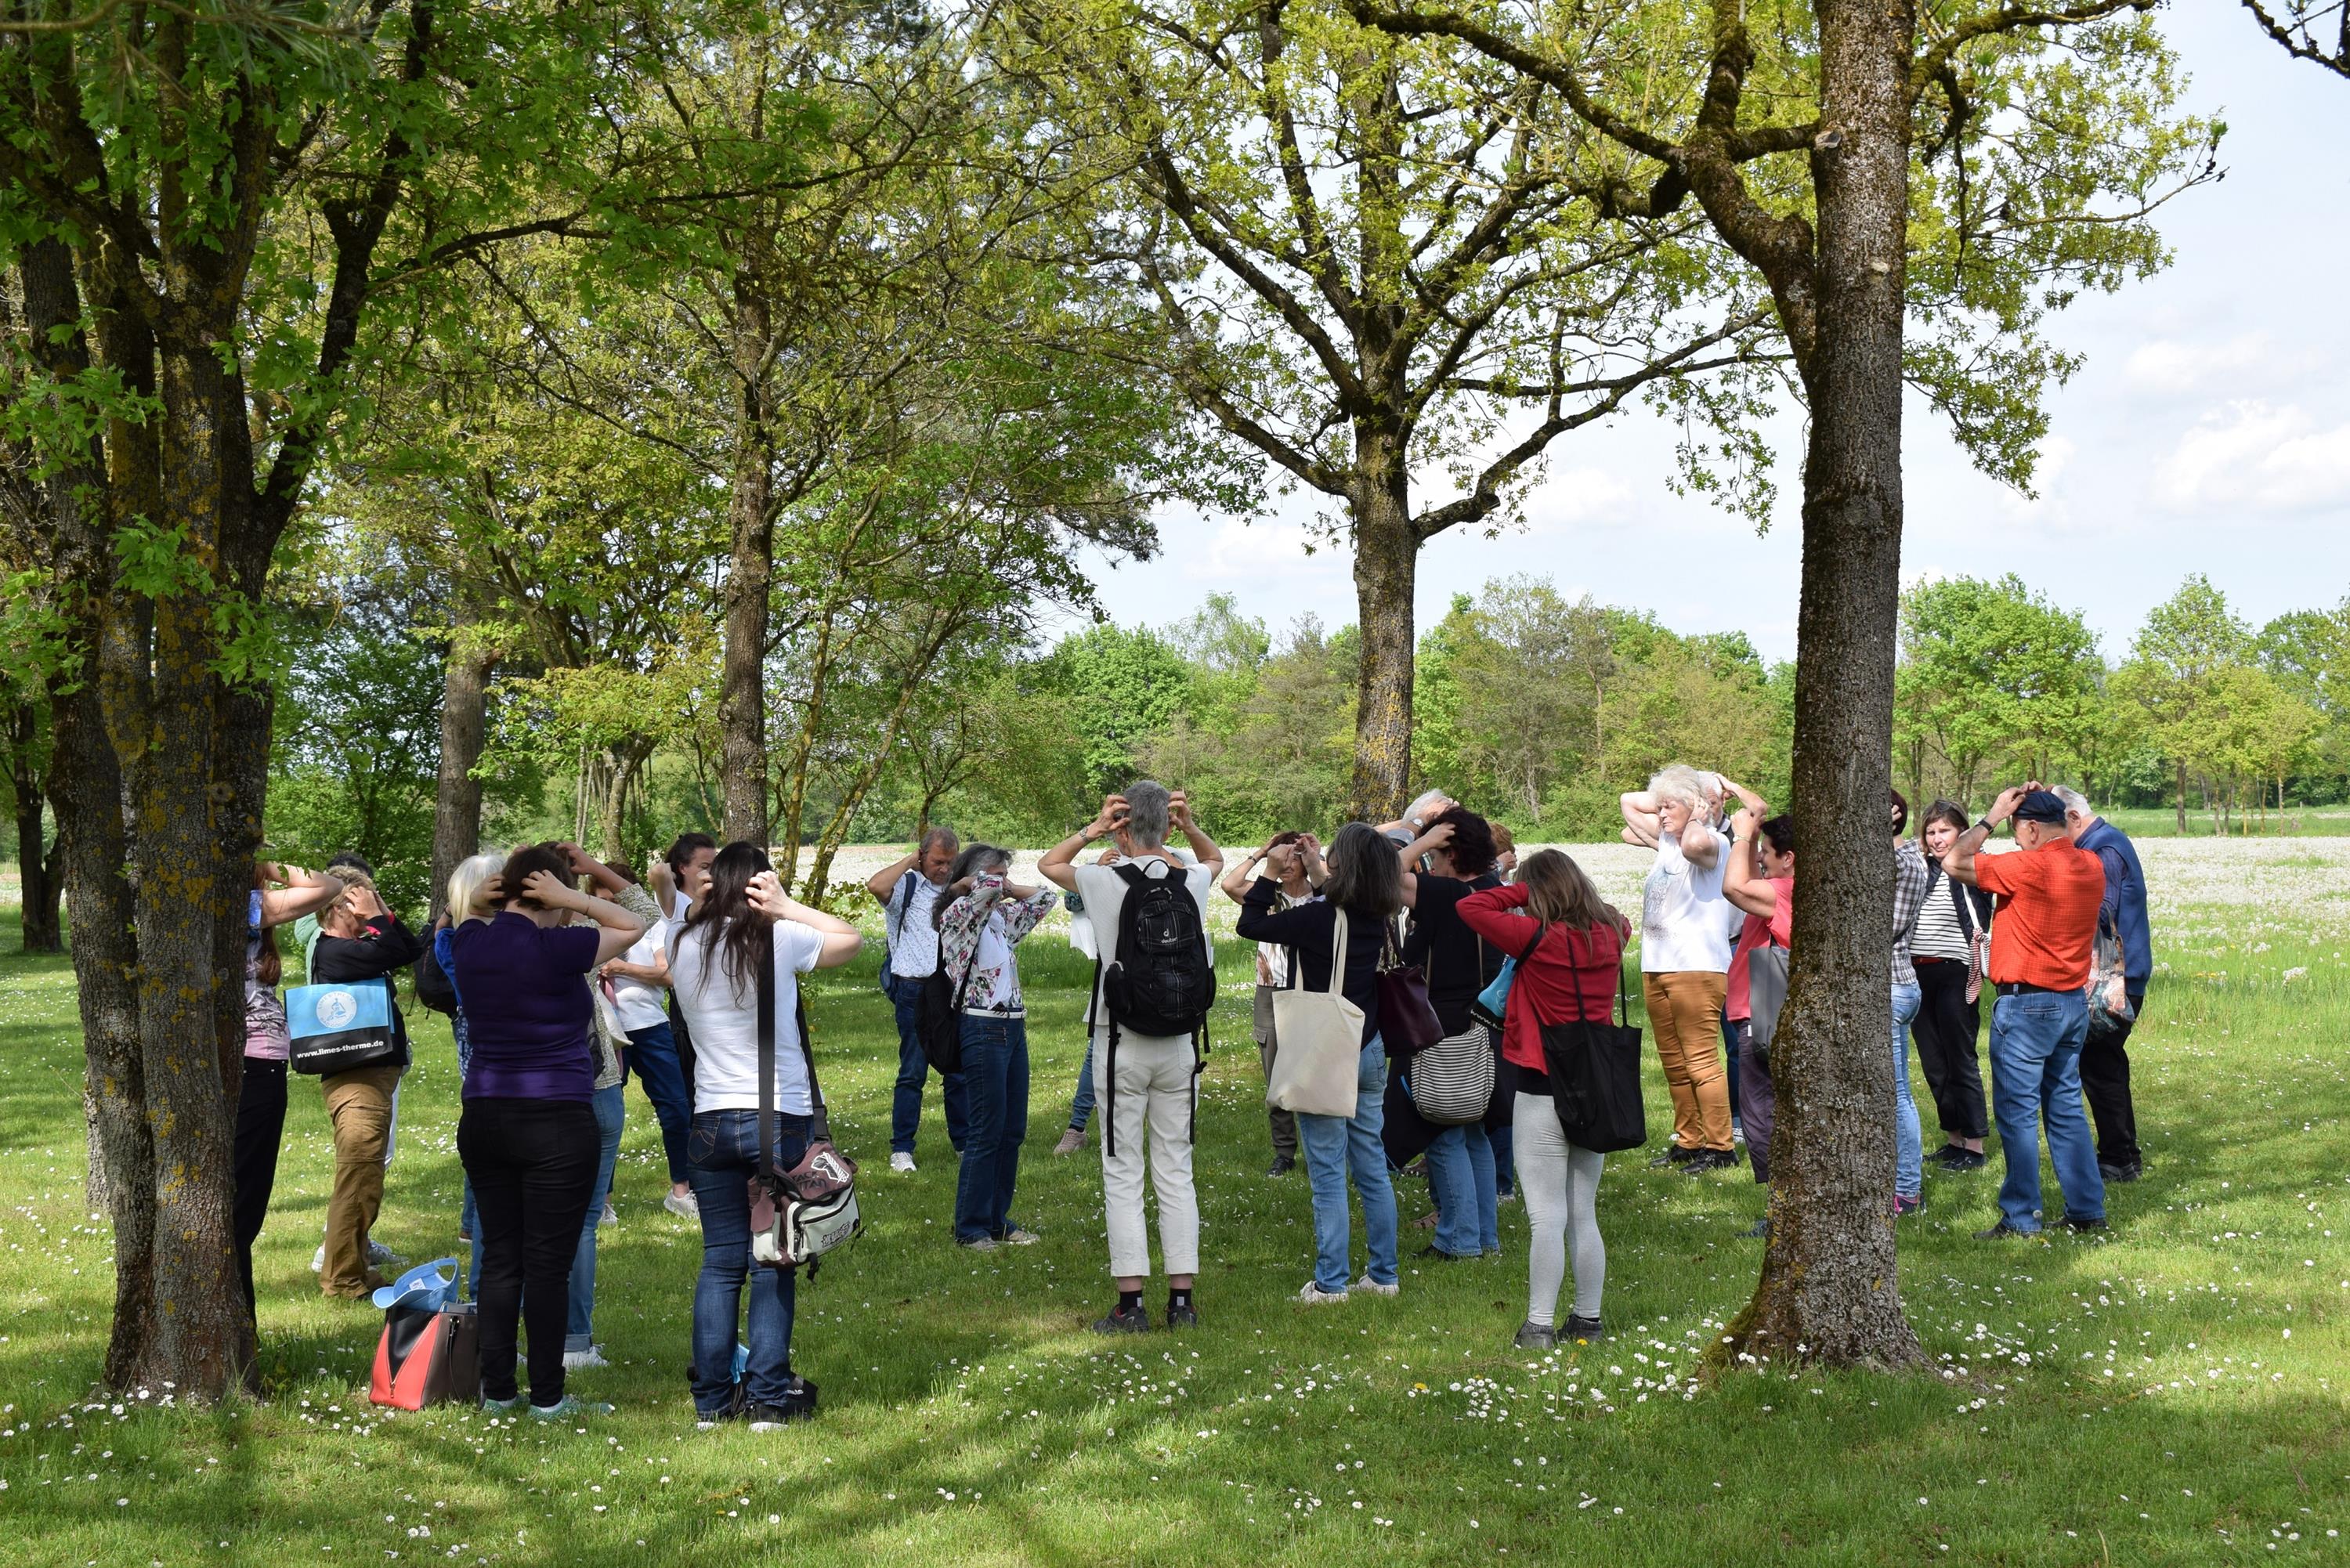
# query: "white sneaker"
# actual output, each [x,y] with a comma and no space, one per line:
[684,1204]
[1377,1289]
[982,1244]
[1016,1237]
[573,1360]
[903,1163]
[609,1217]
[379,1255]
[319,1259]
[1315,1295]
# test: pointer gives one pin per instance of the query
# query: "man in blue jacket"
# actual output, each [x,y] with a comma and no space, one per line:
[2104,1059]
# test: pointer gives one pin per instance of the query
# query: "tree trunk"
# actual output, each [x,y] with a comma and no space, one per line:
[36,858]
[1829,1291]
[2182,800]
[1386,566]
[457,793]
[751,525]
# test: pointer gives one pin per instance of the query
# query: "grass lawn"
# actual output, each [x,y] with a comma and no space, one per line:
[2175,1394]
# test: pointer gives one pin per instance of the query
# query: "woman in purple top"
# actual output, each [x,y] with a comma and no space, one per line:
[527,1135]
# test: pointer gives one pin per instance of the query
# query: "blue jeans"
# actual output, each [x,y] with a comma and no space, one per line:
[1461,1178]
[1336,1146]
[1504,1139]
[995,1077]
[652,1057]
[722,1151]
[1081,1104]
[612,1110]
[1909,1149]
[2035,1080]
[1730,1049]
[914,1071]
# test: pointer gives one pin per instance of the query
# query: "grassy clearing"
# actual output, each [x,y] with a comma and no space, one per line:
[2175,1395]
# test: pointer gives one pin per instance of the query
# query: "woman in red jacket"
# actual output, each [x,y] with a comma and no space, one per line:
[1569,945]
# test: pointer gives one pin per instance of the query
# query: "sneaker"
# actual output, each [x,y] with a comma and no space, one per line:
[1182,1316]
[1016,1237]
[1737,1131]
[1705,1159]
[1426,1221]
[1072,1141]
[319,1259]
[569,1407]
[980,1243]
[464,1239]
[1135,1319]
[1283,1164]
[684,1205]
[573,1360]
[2085,1225]
[1952,1157]
[1674,1155]
[732,1411]
[500,1406]
[1377,1289]
[2117,1172]
[609,1217]
[774,1418]
[1315,1295]
[1905,1207]
[1533,1335]
[1507,1195]
[1581,1331]
[2001,1232]
[379,1255]
[1442,1256]
[1417,1168]
[902,1162]
[1758,1230]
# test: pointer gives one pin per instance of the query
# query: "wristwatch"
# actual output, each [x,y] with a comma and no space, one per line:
[1985,824]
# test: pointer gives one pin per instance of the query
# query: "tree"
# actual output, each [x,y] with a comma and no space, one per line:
[2172,678]
[1372,258]
[1834,203]
[204,210]
[2297,27]
[24,764]
[1991,670]
[1529,666]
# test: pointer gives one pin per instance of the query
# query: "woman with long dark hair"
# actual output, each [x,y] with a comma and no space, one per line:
[982,916]
[1569,944]
[527,1135]
[280,894]
[1952,920]
[1365,881]
[743,925]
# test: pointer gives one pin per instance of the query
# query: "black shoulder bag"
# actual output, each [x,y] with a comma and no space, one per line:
[1594,1076]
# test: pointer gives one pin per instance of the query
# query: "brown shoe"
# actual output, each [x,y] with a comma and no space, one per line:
[1072,1141]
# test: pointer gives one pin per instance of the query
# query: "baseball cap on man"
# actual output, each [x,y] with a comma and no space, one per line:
[2040,806]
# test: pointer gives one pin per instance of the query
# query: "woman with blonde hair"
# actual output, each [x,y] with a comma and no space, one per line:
[1569,944]
[1685,953]
[472,895]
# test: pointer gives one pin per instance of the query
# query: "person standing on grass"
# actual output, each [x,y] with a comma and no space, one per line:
[1457,850]
[1499,1128]
[907,891]
[1951,923]
[1759,879]
[1569,945]
[471,899]
[982,916]
[307,931]
[2049,893]
[1272,973]
[1364,880]
[688,858]
[636,985]
[527,1134]
[744,924]
[2104,1059]
[280,894]
[1147,1084]
[1909,881]
[360,939]
[1685,956]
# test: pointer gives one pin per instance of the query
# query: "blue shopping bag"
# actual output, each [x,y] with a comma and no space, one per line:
[340,1026]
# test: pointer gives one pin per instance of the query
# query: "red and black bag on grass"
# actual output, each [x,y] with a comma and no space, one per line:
[428,1356]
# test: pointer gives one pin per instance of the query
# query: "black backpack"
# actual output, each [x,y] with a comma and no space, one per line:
[1157,979]
[433,987]
[938,1017]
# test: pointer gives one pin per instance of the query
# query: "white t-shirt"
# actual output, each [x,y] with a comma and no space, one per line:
[914,936]
[1681,923]
[1104,892]
[637,1005]
[725,1023]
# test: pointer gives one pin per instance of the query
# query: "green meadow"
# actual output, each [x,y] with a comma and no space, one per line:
[2175,1392]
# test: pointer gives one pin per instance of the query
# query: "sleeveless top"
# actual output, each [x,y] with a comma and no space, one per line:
[264,1014]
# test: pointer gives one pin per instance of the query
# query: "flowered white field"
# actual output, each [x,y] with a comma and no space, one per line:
[2174,1392]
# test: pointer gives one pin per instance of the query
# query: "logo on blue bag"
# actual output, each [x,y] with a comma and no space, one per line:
[338,1008]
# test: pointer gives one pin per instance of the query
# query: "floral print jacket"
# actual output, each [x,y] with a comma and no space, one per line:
[984,913]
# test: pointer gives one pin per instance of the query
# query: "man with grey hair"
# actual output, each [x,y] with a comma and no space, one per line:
[2105,1057]
[907,889]
[1150,913]
[1430,806]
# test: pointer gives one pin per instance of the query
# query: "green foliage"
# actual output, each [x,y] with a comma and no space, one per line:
[1991,673]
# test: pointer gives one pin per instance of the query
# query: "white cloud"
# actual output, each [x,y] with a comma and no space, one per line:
[2172,368]
[1581,497]
[2251,457]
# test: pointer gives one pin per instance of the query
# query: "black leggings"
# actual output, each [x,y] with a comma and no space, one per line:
[1946,1029]
[533,1165]
[260,1128]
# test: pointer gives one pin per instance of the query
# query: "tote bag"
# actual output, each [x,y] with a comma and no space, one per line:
[1318,1036]
[1766,988]
[1594,1079]
[339,1025]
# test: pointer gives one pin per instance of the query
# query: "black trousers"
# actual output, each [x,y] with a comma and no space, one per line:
[1946,1029]
[2104,1084]
[533,1165]
[260,1128]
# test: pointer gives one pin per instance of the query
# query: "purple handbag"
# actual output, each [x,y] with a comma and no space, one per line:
[1408,1021]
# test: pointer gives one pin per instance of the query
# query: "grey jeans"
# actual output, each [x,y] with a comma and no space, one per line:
[1284,1125]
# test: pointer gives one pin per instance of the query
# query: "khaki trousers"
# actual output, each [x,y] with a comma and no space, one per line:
[1685,1012]
[359,1108]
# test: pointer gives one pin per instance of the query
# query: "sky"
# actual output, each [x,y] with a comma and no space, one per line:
[2208,431]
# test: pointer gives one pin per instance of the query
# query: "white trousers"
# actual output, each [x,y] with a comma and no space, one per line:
[1561,1184]
[1153,1091]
